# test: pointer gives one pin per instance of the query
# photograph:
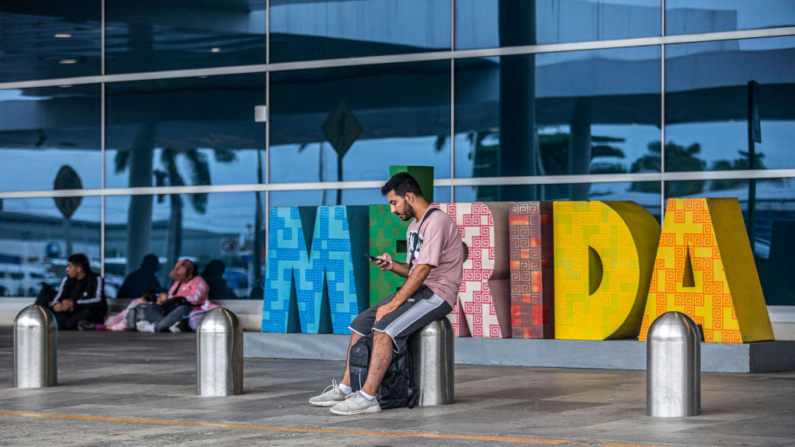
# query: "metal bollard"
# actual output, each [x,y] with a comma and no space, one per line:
[433,363]
[35,348]
[219,354]
[673,367]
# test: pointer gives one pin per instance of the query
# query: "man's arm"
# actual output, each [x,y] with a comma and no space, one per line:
[391,265]
[400,268]
[94,297]
[411,286]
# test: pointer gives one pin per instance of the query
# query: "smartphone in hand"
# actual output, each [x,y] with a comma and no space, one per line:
[373,258]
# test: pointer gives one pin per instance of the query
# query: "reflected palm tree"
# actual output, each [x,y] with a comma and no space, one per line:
[739,164]
[678,158]
[554,152]
[199,172]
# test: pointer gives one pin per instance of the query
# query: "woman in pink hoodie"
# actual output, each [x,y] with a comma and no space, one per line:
[188,285]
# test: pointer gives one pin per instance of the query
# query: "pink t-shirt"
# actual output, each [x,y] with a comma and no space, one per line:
[439,245]
[195,291]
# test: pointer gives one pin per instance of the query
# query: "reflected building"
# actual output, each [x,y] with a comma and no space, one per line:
[506,99]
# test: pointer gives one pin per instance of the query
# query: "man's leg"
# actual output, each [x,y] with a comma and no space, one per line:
[346,377]
[175,316]
[362,324]
[392,331]
[60,319]
[379,362]
[71,322]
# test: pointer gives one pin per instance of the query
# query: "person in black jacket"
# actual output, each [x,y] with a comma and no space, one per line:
[81,296]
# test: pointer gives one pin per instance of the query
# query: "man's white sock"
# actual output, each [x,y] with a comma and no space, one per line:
[367,396]
[345,388]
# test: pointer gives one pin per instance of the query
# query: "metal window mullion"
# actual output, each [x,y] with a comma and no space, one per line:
[102,182]
[102,38]
[662,133]
[102,143]
[452,99]
[267,211]
[410,57]
[662,116]
[444,182]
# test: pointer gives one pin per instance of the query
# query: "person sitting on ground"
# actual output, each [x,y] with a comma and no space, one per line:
[188,286]
[213,274]
[118,322]
[81,295]
[434,272]
[142,279]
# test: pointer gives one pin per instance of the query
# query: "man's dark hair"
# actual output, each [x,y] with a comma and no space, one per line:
[80,260]
[402,183]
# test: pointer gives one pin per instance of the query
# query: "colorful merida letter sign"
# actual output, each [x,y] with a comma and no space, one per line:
[604,254]
[568,270]
[310,280]
[705,269]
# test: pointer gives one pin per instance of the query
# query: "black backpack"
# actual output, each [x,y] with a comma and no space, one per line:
[395,389]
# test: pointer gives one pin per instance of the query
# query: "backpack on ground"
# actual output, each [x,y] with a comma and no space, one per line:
[395,389]
[143,312]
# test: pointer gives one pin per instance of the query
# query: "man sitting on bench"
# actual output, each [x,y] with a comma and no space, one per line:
[434,270]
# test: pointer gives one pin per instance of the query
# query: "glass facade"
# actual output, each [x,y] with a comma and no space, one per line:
[189,131]
[330,29]
[48,39]
[572,113]
[176,134]
[150,35]
[506,23]
[205,228]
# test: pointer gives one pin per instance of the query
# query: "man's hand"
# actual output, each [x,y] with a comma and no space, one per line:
[386,266]
[64,305]
[384,310]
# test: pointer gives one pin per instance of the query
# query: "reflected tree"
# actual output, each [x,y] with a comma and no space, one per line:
[199,172]
[678,158]
[739,164]
[553,159]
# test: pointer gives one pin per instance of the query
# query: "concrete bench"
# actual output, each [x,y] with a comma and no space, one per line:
[433,363]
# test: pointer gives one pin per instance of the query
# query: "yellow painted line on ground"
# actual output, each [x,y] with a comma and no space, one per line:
[311,430]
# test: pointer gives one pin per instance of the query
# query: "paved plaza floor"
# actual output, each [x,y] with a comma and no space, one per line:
[130,389]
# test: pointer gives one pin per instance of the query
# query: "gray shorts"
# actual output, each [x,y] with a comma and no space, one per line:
[422,308]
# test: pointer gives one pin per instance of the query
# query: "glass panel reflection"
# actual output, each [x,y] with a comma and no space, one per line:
[44,130]
[217,231]
[48,39]
[329,29]
[584,112]
[772,223]
[194,131]
[36,239]
[707,90]
[373,116]
[154,35]
[503,23]
[646,194]
[711,16]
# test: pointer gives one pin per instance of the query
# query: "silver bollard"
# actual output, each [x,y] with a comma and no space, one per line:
[35,348]
[673,367]
[433,363]
[219,354]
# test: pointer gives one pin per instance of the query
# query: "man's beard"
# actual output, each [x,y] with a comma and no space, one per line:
[408,212]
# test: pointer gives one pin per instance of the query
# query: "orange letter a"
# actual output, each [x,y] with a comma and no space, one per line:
[705,268]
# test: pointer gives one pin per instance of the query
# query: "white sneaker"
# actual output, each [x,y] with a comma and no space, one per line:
[356,403]
[174,327]
[145,326]
[329,397]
